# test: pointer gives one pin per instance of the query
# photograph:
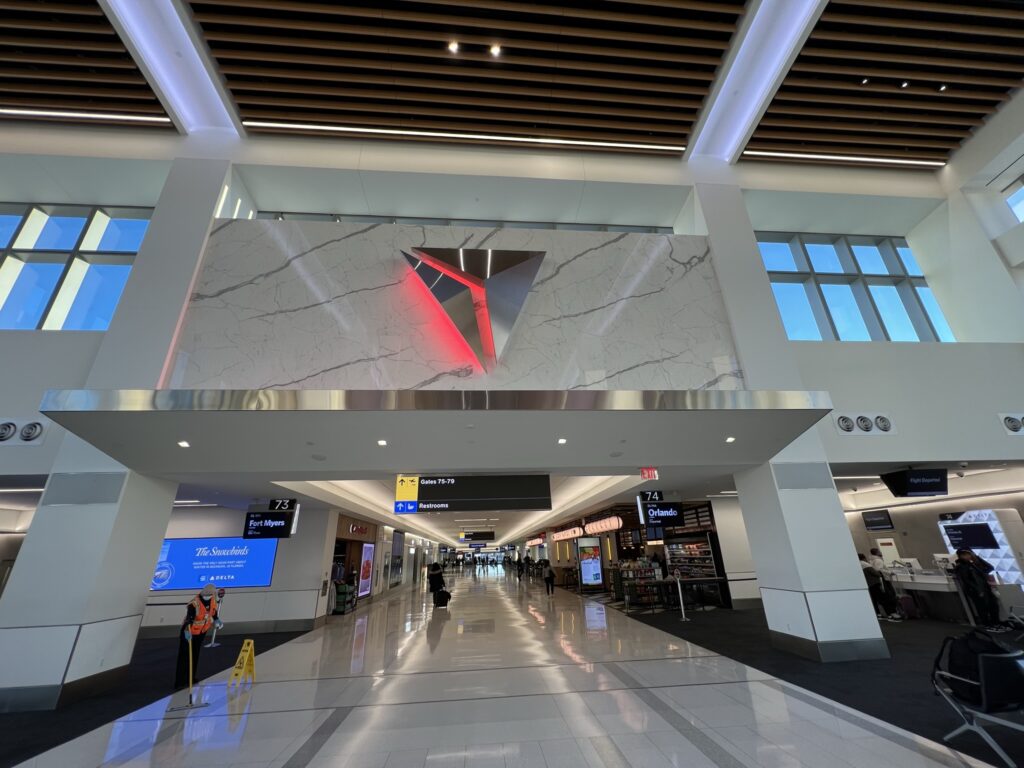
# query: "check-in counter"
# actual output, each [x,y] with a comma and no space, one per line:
[935,593]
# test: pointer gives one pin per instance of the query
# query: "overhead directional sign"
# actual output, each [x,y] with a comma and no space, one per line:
[476,536]
[471,493]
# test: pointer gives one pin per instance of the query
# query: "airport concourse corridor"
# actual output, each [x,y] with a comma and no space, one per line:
[506,677]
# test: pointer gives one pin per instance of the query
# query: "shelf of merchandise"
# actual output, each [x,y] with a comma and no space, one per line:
[694,559]
[642,582]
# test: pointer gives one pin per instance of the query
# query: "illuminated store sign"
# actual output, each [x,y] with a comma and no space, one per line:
[604,526]
[538,542]
[571,533]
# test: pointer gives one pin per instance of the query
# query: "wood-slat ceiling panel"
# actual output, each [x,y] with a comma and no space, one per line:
[845,94]
[584,70]
[66,57]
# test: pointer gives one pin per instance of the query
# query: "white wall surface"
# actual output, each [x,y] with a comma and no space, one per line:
[301,565]
[972,283]
[943,398]
[30,363]
[732,537]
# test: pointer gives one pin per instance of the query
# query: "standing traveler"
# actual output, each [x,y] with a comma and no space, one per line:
[972,572]
[520,567]
[435,580]
[885,605]
[549,577]
[200,618]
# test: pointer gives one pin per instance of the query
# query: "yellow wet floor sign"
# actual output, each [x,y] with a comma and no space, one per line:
[245,664]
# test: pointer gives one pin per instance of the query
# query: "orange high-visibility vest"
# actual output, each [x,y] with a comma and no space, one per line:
[204,618]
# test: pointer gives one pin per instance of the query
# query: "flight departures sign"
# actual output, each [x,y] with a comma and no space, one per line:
[471,493]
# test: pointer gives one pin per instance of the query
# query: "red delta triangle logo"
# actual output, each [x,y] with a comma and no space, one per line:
[481,290]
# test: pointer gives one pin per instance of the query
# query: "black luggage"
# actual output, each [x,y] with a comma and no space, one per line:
[963,661]
[441,598]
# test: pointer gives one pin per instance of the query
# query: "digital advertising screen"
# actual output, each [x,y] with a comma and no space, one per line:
[365,571]
[590,562]
[971,536]
[224,562]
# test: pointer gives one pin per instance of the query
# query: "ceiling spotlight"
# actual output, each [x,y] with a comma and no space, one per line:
[865,81]
[562,441]
[184,444]
[904,84]
[942,87]
[382,443]
[495,50]
[453,46]
[730,439]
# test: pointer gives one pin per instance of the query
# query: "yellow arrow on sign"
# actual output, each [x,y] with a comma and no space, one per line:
[407,488]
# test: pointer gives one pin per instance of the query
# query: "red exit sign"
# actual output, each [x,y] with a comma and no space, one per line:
[648,473]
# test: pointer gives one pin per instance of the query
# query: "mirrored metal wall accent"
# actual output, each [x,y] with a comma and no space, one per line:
[482,291]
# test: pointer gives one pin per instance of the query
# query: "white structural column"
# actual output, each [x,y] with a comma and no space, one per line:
[814,594]
[74,603]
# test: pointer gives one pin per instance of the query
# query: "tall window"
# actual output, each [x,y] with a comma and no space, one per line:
[63,268]
[1015,200]
[850,288]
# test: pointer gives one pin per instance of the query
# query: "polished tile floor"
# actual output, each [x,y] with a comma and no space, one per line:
[505,678]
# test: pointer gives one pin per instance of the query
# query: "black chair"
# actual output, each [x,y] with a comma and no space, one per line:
[1000,692]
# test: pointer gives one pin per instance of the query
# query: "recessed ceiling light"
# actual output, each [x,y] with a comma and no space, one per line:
[382,443]
[495,50]
[865,81]
[184,444]
[453,46]
[942,87]
[904,84]
[730,439]
[562,441]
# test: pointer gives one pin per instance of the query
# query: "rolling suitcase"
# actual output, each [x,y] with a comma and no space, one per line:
[441,598]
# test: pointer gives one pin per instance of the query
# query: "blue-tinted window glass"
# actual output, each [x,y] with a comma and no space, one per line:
[60,233]
[909,262]
[894,314]
[846,315]
[123,235]
[1016,203]
[824,257]
[97,297]
[29,295]
[870,259]
[8,226]
[777,257]
[795,309]
[931,306]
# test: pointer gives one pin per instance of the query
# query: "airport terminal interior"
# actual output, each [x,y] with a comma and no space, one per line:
[511,384]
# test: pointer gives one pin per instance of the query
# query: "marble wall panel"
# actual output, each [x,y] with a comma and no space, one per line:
[323,305]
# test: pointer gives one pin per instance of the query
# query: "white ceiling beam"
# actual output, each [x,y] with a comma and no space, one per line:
[770,36]
[165,42]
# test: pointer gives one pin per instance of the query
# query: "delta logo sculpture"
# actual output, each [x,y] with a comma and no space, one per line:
[482,291]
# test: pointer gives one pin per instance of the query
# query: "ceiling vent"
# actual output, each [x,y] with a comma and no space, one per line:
[864,424]
[1013,423]
[21,432]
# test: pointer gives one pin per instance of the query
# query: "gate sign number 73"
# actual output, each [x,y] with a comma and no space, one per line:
[282,505]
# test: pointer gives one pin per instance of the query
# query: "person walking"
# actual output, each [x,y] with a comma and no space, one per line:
[200,618]
[435,580]
[520,567]
[972,572]
[549,578]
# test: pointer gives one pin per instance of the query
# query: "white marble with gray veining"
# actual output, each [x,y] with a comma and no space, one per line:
[322,305]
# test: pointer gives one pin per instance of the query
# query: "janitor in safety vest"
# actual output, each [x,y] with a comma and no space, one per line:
[200,618]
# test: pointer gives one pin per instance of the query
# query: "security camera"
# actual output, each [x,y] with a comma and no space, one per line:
[963,464]
[959,474]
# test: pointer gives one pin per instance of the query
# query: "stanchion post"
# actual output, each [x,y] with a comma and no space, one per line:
[682,606]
